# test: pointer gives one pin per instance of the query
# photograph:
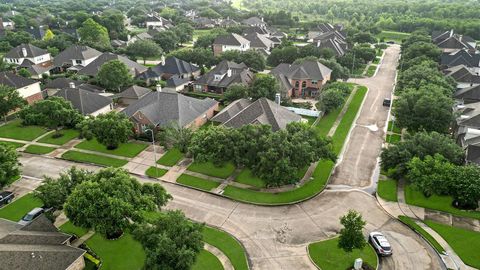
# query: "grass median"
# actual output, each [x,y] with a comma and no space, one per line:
[196,182]
[92,158]
[228,245]
[155,172]
[387,190]
[12,144]
[411,223]
[38,149]
[208,168]
[206,260]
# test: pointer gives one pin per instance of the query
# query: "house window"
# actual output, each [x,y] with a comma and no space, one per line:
[304,84]
[198,87]
[78,62]
[297,84]
[218,77]
[314,82]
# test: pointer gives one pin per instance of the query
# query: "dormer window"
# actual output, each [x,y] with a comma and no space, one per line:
[218,77]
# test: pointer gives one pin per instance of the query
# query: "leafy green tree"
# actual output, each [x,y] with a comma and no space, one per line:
[427,49]
[94,35]
[423,109]
[286,54]
[351,235]
[235,91]
[48,35]
[9,165]
[114,75]
[178,137]
[212,144]
[167,40]
[55,191]
[199,56]
[364,37]
[144,49]
[264,86]
[424,74]
[18,37]
[465,188]
[24,73]
[119,130]
[184,32]
[53,113]
[251,58]
[432,175]
[5,46]
[331,99]
[171,242]
[110,201]
[10,100]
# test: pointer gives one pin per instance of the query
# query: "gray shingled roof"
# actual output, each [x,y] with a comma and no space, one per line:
[133,91]
[468,93]
[307,70]
[240,74]
[259,41]
[73,52]
[93,68]
[473,154]
[253,21]
[172,65]
[164,108]
[231,39]
[32,51]
[13,80]
[84,101]
[262,111]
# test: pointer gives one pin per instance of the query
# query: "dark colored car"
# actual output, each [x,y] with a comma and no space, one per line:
[6,197]
[387,102]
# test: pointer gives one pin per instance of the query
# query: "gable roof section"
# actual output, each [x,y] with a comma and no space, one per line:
[231,39]
[84,101]
[15,81]
[134,92]
[93,68]
[468,93]
[259,41]
[307,70]
[462,73]
[32,51]
[473,153]
[163,108]
[240,74]
[73,52]
[253,21]
[262,111]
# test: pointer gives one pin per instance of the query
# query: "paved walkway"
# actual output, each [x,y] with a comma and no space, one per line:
[227,265]
[79,241]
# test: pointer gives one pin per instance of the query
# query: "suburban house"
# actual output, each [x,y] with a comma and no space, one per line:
[86,102]
[263,111]
[140,36]
[169,67]
[467,130]
[75,57]
[93,68]
[7,24]
[271,34]
[324,28]
[222,76]
[162,108]
[302,80]
[468,94]
[460,57]
[203,22]
[464,76]
[334,40]
[177,83]
[38,245]
[254,21]
[27,52]
[227,22]
[132,94]
[230,42]
[38,32]
[27,88]
[118,43]
[57,84]
[448,41]
[154,21]
[260,42]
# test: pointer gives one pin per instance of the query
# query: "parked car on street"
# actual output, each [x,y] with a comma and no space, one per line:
[6,197]
[35,212]
[380,244]
[387,102]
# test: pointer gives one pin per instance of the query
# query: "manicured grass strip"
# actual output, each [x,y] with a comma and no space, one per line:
[69,228]
[387,190]
[91,158]
[197,182]
[393,36]
[38,150]
[228,245]
[394,128]
[436,202]
[393,138]
[371,70]
[328,256]
[155,172]
[208,168]
[15,130]
[170,158]
[348,118]
[130,149]
[310,119]
[411,223]
[12,144]
[18,208]
[124,253]
[464,242]
[206,260]
[376,61]
[246,177]
[67,135]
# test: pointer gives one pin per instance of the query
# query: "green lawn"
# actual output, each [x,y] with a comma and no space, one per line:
[358,70]
[393,36]
[13,144]
[394,128]
[376,61]
[68,135]
[393,138]
[387,190]
[436,202]
[171,157]
[347,120]
[200,32]
[208,168]
[411,223]
[196,182]
[18,208]
[130,149]
[69,228]
[310,119]
[15,130]
[91,158]
[206,260]
[155,172]
[371,70]
[121,254]
[246,177]
[38,150]
[464,242]
[228,245]
[328,256]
